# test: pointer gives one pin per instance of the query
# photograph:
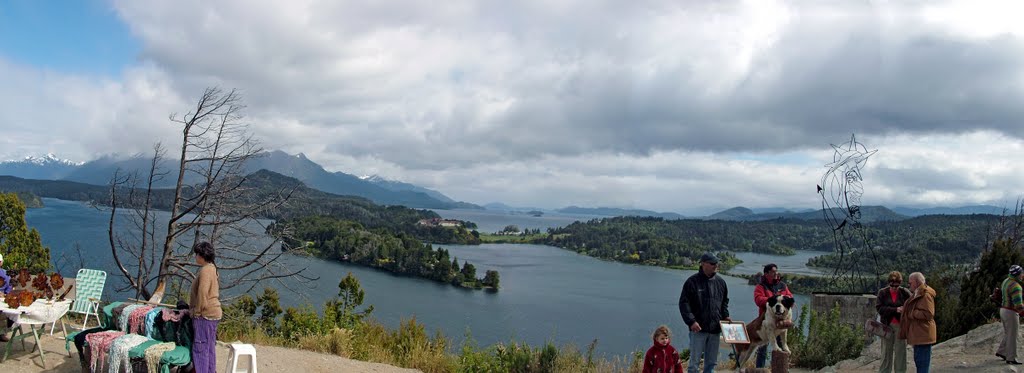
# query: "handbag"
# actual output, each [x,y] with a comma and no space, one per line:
[878,329]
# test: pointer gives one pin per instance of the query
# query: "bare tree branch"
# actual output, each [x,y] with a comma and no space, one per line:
[212,200]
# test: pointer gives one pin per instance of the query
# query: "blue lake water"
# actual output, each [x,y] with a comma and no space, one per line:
[547,294]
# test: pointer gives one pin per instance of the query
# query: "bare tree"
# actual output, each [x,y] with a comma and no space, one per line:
[212,200]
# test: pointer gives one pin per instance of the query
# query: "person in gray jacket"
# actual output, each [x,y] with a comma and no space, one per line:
[703,304]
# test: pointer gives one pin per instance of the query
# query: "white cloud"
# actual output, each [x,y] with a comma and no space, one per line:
[650,104]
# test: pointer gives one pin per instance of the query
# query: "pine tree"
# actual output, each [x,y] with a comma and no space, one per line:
[491,279]
[270,307]
[975,308]
[350,294]
[22,247]
[468,272]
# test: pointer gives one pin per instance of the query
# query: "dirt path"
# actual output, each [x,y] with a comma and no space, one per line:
[271,360]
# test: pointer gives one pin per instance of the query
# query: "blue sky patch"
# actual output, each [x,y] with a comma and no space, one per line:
[68,36]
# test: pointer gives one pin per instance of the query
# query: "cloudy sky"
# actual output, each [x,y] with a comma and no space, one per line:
[685,106]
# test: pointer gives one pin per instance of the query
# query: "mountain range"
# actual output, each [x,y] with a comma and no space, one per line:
[377,189]
[611,211]
[47,167]
[868,213]
[739,213]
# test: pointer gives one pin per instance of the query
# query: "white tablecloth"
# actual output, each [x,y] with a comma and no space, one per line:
[39,312]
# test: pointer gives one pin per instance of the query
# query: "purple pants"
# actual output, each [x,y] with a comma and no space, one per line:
[204,345]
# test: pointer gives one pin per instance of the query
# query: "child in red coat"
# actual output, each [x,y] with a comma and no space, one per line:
[662,357]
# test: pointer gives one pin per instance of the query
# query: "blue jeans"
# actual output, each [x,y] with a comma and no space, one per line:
[762,354]
[703,345]
[922,358]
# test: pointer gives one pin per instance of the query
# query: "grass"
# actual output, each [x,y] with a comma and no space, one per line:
[410,346]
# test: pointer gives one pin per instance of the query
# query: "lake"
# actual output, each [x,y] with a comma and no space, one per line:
[493,221]
[547,294]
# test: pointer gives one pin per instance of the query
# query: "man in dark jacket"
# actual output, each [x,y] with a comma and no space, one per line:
[703,303]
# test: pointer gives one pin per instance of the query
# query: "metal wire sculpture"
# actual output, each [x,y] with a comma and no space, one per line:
[841,189]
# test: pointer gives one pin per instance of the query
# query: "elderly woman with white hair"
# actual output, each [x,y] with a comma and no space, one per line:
[918,317]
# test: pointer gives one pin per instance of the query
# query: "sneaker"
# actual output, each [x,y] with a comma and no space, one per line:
[1013,362]
[1000,356]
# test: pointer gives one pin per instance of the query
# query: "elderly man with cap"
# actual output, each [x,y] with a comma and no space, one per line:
[703,303]
[1012,306]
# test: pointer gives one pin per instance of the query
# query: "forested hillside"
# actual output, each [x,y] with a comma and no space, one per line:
[348,241]
[917,244]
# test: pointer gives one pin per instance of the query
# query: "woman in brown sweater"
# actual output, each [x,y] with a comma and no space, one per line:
[205,309]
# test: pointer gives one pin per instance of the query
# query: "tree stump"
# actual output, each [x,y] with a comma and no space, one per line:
[780,362]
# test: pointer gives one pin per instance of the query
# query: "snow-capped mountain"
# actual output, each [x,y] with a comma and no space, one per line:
[47,159]
[402,186]
[47,167]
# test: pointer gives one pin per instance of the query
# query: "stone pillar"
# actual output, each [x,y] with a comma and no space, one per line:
[854,308]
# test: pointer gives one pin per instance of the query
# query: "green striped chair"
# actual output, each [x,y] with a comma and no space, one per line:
[90,284]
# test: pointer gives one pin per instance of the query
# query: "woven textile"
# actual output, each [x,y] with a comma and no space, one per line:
[137,319]
[151,320]
[154,353]
[122,321]
[98,345]
[172,315]
[115,314]
[119,352]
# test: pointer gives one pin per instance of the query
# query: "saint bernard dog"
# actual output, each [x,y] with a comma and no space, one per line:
[766,328]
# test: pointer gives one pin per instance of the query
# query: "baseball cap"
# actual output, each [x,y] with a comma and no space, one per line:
[709,257]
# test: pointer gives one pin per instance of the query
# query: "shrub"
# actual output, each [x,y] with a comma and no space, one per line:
[828,340]
[298,322]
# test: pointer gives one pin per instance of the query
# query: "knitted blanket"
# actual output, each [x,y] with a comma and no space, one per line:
[119,352]
[122,322]
[151,320]
[137,319]
[172,315]
[98,345]
[154,353]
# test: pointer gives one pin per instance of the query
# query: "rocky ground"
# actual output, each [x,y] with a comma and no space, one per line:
[271,360]
[974,352]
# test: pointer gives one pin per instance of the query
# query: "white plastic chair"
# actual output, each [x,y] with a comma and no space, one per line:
[238,350]
[39,313]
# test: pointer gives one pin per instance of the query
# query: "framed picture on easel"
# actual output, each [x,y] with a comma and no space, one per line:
[735,332]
